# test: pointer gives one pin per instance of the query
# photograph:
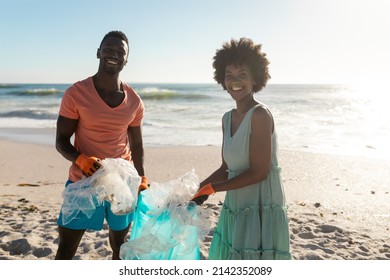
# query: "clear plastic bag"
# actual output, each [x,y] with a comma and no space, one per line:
[116,181]
[167,226]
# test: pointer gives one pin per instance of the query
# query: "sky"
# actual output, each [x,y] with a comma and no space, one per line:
[174,41]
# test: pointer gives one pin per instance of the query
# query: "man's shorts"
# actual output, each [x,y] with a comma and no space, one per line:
[81,221]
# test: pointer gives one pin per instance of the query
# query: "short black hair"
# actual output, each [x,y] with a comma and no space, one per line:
[115,34]
[242,52]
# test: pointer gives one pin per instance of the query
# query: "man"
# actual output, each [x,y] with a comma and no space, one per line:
[105,115]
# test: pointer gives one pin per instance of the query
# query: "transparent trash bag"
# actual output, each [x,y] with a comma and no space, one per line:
[116,181]
[167,226]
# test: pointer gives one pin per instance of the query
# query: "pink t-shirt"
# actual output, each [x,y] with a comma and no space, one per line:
[101,131]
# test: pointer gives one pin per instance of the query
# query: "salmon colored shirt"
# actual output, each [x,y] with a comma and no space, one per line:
[101,130]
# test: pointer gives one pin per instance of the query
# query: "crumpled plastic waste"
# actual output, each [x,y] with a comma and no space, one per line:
[167,226]
[116,181]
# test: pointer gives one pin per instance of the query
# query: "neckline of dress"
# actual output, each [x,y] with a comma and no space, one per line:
[239,126]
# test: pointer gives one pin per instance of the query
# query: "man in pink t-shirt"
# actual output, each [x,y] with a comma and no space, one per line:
[105,116]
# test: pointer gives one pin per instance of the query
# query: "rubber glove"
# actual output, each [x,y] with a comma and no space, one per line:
[88,165]
[144,184]
[203,194]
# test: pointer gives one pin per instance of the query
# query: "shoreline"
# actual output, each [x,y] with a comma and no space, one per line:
[337,205]
[46,136]
[350,175]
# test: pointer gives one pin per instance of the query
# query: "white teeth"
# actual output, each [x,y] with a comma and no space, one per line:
[236,86]
[112,62]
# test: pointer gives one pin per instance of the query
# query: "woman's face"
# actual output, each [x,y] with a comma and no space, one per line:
[238,81]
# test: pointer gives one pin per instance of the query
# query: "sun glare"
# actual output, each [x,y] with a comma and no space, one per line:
[375,88]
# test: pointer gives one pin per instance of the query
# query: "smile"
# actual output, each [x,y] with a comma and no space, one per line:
[236,86]
[112,62]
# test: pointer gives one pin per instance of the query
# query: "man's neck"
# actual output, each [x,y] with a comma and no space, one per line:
[107,82]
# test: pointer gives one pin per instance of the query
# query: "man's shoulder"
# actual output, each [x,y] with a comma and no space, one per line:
[130,91]
[127,87]
[79,86]
[82,83]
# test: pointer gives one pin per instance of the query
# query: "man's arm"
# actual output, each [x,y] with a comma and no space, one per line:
[65,129]
[137,148]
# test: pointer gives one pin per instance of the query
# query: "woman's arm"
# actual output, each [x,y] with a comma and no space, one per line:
[260,147]
[221,173]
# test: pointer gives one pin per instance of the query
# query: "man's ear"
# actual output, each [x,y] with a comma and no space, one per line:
[97,53]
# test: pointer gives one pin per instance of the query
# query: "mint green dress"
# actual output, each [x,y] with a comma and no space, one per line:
[253,223]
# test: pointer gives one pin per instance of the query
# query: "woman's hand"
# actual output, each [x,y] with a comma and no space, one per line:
[203,194]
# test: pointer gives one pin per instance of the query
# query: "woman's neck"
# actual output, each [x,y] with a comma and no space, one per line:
[245,105]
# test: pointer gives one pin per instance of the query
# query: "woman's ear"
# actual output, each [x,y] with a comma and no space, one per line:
[97,53]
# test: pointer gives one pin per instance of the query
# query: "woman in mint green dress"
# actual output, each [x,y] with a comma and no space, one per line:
[253,223]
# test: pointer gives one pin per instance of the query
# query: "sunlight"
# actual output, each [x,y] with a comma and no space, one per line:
[371,95]
[373,86]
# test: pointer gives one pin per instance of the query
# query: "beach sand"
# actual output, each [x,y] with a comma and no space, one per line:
[338,206]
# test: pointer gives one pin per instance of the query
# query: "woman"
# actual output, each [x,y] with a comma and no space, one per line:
[253,222]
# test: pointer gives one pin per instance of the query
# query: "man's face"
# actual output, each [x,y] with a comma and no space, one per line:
[113,54]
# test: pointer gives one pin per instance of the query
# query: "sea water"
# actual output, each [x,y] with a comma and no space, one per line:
[335,119]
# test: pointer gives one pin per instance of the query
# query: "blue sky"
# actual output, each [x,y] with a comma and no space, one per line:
[307,41]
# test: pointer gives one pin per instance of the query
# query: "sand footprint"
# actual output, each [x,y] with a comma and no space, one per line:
[307,235]
[18,247]
[329,229]
[42,252]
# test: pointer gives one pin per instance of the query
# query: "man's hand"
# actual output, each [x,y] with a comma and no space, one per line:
[88,165]
[144,184]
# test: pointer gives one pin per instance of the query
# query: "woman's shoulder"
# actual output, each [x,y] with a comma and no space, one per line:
[226,114]
[262,110]
[262,114]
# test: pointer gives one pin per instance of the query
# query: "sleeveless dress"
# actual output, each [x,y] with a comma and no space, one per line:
[253,223]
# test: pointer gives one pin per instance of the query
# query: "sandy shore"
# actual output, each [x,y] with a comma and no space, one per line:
[338,206]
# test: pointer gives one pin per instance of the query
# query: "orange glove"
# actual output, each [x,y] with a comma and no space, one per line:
[88,165]
[144,184]
[203,194]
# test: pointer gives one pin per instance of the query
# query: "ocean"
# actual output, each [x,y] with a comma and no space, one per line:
[335,119]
